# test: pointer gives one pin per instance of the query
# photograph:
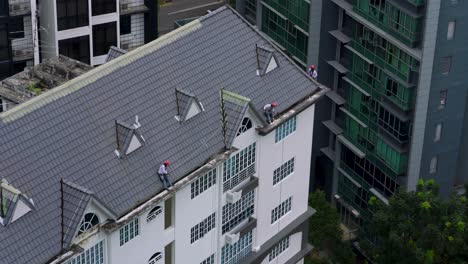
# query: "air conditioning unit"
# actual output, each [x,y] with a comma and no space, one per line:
[231,238]
[232,197]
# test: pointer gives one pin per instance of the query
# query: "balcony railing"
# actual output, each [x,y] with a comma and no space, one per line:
[132,6]
[22,49]
[19,7]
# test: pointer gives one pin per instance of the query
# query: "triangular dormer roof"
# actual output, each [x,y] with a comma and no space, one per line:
[13,203]
[187,105]
[266,60]
[128,138]
[234,108]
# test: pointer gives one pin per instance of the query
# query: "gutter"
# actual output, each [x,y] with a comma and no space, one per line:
[294,110]
[211,164]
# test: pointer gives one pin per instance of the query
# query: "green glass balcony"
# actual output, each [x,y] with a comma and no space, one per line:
[404,26]
[398,162]
[417,2]
[297,11]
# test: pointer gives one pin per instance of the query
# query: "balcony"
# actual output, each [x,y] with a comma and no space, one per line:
[19,7]
[128,7]
[416,3]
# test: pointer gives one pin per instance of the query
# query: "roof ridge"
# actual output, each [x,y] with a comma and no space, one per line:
[77,187]
[103,70]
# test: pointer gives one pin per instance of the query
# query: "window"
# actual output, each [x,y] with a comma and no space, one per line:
[398,129]
[75,48]
[451,30]
[285,129]
[438,131]
[245,125]
[3,7]
[281,210]
[235,213]
[442,99]
[153,213]
[89,220]
[202,228]
[72,14]
[433,165]
[125,25]
[129,231]
[445,65]
[16,27]
[100,7]
[154,259]
[168,212]
[4,46]
[104,36]
[209,260]
[283,171]
[203,183]
[93,255]
[239,167]
[278,249]
[232,254]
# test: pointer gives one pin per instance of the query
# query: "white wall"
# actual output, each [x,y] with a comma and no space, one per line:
[189,212]
[298,145]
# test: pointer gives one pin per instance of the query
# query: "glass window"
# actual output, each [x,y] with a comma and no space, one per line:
[72,14]
[154,259]
[235,213]
[438,132]
[93,255]
[433,165]
[451,30]
[89,220]
[154,213]
[245,125]
[75,48]
[283,171]
[16,29]
[129,231]
[203,183]
[4,47]
[125,25]
[278,249]
[104,36]
[239,167]
[445,65]
[285,129]
[233,254]
[281,210]
[100,7]
[443,99]
[209,260]
[201,229]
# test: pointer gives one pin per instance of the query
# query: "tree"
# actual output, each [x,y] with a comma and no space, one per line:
[420,227]
[325,232]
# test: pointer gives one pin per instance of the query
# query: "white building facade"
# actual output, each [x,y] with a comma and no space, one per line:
[243,210]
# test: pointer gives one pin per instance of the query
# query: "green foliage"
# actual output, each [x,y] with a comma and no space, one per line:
[325,232]
[33,88]
[420,228]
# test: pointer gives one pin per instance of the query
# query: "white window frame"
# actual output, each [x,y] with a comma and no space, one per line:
[452,26]
[438,132]
[433,165]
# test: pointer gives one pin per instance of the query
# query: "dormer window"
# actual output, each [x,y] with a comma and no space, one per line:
[245,125]
[13,203]
[128,138]
[266,60]
[187,105]
[89,221]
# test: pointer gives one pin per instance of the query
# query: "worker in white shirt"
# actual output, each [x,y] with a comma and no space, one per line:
[163,174]
[269,111]
[312,72]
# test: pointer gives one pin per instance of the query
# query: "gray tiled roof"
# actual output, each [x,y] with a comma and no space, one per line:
[114,53]
[69,132]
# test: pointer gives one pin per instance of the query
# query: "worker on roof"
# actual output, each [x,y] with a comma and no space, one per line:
[163,175]
[269,111]
[312,72]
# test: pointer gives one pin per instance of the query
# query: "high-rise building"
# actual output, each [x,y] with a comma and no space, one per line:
[398,110]
[85,30]
[16,36]
[80,163]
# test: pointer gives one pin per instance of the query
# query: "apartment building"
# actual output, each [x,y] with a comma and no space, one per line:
[16,36]
[79,163]
[85,29]
[398,107]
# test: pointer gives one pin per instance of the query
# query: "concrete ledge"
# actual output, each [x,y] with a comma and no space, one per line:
[300,255]
[258,256]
